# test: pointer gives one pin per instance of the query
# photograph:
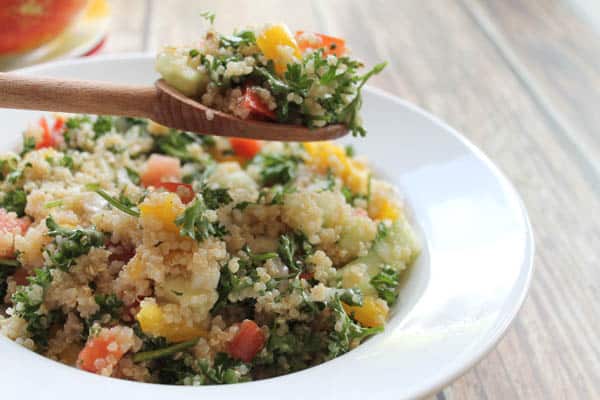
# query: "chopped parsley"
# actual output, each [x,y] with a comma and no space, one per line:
[7,268]
[386,283]
[215,198]
[28,299]
[195,224]
[15,201]
[28,145]
[277,168]
[102,125]
[70,244]
[122,203]
[293,249]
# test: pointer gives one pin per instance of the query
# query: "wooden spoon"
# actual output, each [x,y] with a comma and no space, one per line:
[160,103]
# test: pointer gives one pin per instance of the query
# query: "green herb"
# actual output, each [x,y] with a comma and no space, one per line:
[109,305]
[123,203]
[15,201]
[54,203]
[242,205]
[70,244]
[66,161]
[277,168]
[164,352]
[293,249]
[242,38]
[175,144]
[193,53]
[28,145]
[279,192]
[7,166]
[195,224]
[349,149]
[350,114]
[28,299]
[330,179]
[209,16]
[382,231]
[215,198]
[347,333]
[134,177]
[386,283]
[102,125]
[224,370]
[15,176]
[352,297]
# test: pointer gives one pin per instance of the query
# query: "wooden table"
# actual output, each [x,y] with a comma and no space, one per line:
[521,79]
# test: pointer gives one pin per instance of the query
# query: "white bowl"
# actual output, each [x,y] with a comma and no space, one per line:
[456,303]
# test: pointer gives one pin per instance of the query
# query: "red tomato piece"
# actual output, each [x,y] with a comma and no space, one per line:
[20,276]
[246,148]
[246,344]
[183,190]
[330,44]
[258,109]
[47,139]
[306,275]
[58,126]
[105,350]
[159,169]
[11,224]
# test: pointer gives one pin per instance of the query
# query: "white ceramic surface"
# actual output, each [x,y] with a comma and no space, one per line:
[458,300]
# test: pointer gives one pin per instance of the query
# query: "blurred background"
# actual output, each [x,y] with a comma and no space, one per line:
[520,78]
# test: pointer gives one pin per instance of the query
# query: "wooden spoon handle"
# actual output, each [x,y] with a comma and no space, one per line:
[76,96]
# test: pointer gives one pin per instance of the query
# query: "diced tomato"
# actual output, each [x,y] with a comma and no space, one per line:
[104,351]
[10,221]
[47,140]
[330,44]
[159,169]
[59,123]
[247,342]
[246,148]
[307,275]
[183,190]
[20,276]
[11,224]
[258,109]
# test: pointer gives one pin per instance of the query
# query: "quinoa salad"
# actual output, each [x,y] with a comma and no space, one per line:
[145,253]
[268,73]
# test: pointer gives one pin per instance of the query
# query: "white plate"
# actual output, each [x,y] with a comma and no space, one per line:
[459,299]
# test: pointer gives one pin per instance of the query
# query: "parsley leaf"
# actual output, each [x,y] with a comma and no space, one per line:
[15,201]
[215,198]
[277,168]
[70,244]
[123,203]
[102,125]
[28,145]
[195,224]
[386,283]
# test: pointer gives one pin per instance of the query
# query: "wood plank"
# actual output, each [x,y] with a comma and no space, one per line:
[126,26]
[557,56]
[441,60]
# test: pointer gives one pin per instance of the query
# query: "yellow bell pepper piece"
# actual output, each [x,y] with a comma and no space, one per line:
[166,211]
[152,321]
[278,44]
[387,211]
[326,155]
[371,314]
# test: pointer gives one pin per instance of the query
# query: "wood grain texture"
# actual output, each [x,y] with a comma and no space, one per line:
[558,58]
[77,96]
[442,59]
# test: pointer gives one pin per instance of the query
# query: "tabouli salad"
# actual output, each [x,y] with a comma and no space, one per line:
[145,253]
[271,74]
